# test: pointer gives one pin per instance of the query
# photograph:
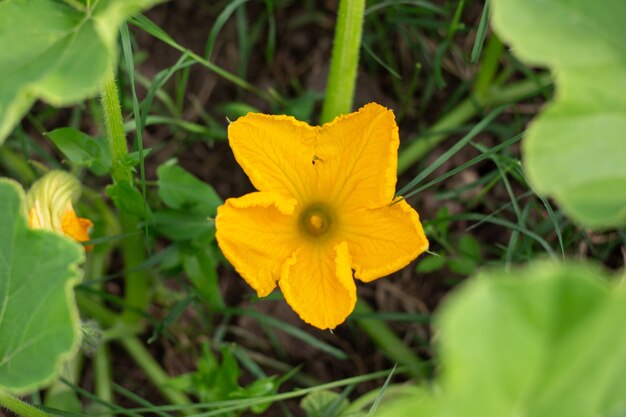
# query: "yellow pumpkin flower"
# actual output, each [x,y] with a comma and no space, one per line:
[49,204]
[323,210]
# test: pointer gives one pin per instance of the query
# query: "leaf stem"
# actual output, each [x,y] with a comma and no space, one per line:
[20,407]
[344,60]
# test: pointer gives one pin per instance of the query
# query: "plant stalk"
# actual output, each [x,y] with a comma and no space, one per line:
[344,60]
[136,282]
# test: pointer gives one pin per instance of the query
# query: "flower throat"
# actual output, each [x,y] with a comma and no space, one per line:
[315,221]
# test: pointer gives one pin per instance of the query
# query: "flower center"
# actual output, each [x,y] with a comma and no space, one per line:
[315,220]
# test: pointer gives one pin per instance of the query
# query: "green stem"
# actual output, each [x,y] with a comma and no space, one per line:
[154,372]
[115,129]
[388,341]
[488,65]
[136,282]
[467,109]
[102,376]
[19,407]
[344,60]
[16,165]
[137,289]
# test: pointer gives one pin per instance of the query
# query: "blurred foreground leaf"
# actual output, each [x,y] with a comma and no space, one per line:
[575,151]
[56,52]
[547,340]
[39,323]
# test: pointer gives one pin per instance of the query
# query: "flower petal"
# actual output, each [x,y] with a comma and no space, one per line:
[383,240]
[275,152]
[317,283]
[257,234]
[358,157]
[76,227]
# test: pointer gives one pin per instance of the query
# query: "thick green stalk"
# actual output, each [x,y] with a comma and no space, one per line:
[136,282]
[19,407]
[467,109]
[344,60]
[137,289]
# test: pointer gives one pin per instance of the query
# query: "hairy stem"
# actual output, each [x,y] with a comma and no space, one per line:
[136,282]
[20,407]
[112,112]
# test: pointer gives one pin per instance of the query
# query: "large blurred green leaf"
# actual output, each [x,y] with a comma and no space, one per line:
[575,150]
[55,52]
[545,341]
[39,324]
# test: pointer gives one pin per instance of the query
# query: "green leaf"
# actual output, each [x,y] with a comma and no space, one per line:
[228,373]
[82,149]
[430,263]
[128,199]
[201,271]
[575,150]
[235,110]
[259,388]
[469,247]
[131,160]
[317,403]
[179,189]
[542,341]
[539,342]
[55,52]
[181,225]
[39,323]
[462,266]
